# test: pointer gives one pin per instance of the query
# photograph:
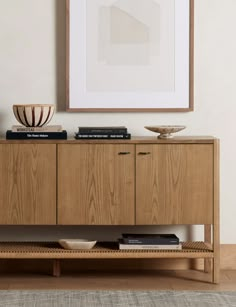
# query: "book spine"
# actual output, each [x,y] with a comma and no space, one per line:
[151,246]
[103,131]
[102,136]
[56,128]
[36,135]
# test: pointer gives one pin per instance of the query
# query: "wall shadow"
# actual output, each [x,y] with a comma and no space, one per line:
[60,36]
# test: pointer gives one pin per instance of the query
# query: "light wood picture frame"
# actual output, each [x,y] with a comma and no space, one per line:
[130,55]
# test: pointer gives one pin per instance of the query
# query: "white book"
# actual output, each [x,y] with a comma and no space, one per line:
[51,128]
[150,246]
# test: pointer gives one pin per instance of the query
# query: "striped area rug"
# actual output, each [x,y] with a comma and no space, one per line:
[61,298]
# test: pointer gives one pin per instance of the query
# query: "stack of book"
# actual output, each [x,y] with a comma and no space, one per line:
[113,132]
[46,132]
[149,241]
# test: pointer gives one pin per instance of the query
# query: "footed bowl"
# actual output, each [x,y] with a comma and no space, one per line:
[165,131]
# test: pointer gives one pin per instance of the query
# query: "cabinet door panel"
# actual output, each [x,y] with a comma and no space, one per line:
[96,184]
[27,184]
[174,184]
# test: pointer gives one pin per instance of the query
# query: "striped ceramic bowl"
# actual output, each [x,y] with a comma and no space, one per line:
[33,115]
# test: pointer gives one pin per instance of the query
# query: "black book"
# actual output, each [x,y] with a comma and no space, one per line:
[103,136]
[36,135]
[164,239]
[103,130]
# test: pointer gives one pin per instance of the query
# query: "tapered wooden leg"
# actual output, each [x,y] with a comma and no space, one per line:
[207,265]
[216,270]
[56,268]
[216,259]
[207,239]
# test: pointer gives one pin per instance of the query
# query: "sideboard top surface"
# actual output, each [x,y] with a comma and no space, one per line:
[133,140]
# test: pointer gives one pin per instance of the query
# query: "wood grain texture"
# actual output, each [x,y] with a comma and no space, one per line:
[152,139]
[27,184]
[96,184]
[177,182]
[208,240]
[67,53]
[174,184]
[216,221]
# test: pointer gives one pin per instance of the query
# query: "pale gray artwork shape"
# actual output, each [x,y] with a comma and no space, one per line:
[130,46]
[126,29]
[129,32]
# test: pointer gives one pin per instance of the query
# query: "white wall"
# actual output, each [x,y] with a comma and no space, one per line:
[32,70]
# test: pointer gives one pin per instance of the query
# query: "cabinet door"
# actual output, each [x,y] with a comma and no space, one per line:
[95,184]
[174,184]
[27,184]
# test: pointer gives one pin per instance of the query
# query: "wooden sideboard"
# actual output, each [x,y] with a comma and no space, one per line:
[142,181]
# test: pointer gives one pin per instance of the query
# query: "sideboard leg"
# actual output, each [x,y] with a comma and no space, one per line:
[207,239]
[216,259]
[216,270]
[56,268]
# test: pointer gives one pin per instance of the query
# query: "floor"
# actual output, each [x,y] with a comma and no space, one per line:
[118,280]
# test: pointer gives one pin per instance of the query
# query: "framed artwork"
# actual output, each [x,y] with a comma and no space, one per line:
[130,55]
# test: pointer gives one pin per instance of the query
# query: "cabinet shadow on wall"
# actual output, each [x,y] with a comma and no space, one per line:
[60,53]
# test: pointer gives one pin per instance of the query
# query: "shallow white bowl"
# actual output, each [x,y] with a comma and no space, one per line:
[77,243]
[33,115]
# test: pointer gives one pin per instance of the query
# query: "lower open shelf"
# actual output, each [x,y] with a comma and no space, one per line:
[104,250]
